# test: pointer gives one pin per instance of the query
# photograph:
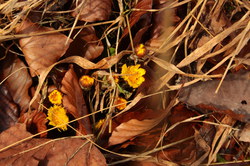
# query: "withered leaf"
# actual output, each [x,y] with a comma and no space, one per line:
[35,122]
[245,133]
[92,10]
[132,128]
[183,153]
[9,111]
[73,100]
[86,44]
[43,50]
[71,151]
[18,80]
[233,95]
[136,15]
[219,21]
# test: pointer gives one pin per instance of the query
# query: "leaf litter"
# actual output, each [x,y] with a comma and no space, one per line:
[186,70]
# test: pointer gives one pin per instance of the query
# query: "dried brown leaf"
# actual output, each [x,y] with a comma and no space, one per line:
[9,111]
[41,51]
[130,129]
[71,151]
[92,10]
[183,153]
[233,95]
[134,123]
[136,15]
[86,44]
[73,100]
[144,163]
[18,80]
[35,122]
[219,21]
[245,133]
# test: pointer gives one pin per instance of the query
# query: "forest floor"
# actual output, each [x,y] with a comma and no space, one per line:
[126,82]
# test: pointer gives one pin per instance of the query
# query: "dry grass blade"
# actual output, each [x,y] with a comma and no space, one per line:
[199,52]
[220,137]
[18,36]
[203,144]
[243,41]
[146,154]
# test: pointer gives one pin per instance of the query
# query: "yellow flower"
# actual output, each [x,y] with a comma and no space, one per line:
[55,97]
[86,82]
[116,79]
[121,103]
[140,50]
[133,75]
[99,123]
[57,116]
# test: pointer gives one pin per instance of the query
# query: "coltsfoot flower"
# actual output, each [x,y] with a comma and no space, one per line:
[133,75]
[57,116]
[86,82]
[116,79]
[55,97]
[121,103]
[140,50]
[99,124]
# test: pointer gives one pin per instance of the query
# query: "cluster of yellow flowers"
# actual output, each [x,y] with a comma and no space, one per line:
[57,113]
[133,75]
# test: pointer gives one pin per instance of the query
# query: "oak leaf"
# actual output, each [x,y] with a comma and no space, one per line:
[73,100]
[135,16]
[9,111]
[92,10]
[86,44]
[233,95]
[133,125]
[41,51]
[18,80]
[34,151]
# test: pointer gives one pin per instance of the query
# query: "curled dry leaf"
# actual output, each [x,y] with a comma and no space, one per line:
[92,10]
[43,50]
[35,122]
[233,95]
[73,100]
[9,111]
[130,129]
[71,151]
[86,44]
[18,80]
[133,127]
[185,152]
